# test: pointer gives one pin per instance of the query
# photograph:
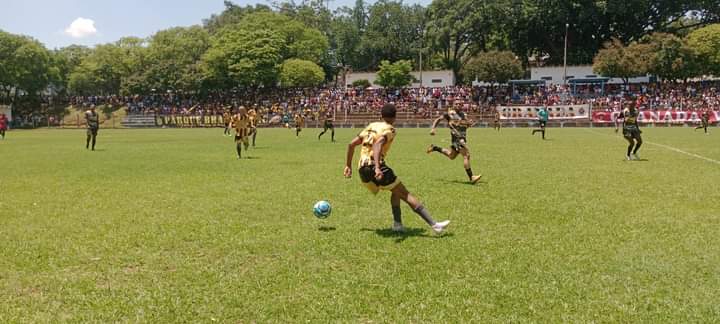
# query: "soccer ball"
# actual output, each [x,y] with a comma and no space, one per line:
[322,209]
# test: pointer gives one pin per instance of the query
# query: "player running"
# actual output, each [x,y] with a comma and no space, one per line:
[92,120]
[542,120]
[3,125]
[241,124]
[328,124]
[631,130]
[705,120]
[299,123]
[376,140]
[458,124]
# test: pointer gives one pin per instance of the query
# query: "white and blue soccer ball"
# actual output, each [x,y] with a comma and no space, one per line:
[322,209]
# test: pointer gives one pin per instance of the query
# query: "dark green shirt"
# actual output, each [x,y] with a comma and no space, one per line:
[93,119]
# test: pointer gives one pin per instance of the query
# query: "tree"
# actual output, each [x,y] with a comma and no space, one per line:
[706,43]
[111,69]
[239,57]
[617,61]
[25,70]
[174,56]
[493,66]
[232,15]
[300,41]
[671,58]
[300,73]
[393,32]
[250,52]
[394,75]
[361,83]
[459,29]
[66,60]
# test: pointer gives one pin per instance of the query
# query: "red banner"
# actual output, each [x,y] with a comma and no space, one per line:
[657,116]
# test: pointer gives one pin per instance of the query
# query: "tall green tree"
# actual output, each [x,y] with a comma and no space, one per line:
[246,58]
[300,41]
[493,66]
[672,58]
[232,15]
[174,56]
[618,61]
[111,69]
[66,60]
[460,29]
[394,75]
[300,73]
[394,32]
[706,43]
[26,69]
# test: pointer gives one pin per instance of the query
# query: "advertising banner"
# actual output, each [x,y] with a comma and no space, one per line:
[657,116]
[560,112]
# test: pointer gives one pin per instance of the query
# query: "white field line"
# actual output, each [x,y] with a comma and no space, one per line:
[674,149]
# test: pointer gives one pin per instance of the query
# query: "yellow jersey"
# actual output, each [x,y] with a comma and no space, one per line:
[241,123]
[299,121]
[252,114]
[371,134]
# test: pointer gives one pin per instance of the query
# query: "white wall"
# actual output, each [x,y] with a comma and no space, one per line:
[7,111]
[577,71]
[442,78]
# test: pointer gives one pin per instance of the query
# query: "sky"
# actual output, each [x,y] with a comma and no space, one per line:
[59,23]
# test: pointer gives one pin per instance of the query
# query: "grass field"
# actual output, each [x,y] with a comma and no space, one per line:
[168,226]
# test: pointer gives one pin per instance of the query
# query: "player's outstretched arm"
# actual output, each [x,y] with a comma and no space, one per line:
[434,125]
[349,156]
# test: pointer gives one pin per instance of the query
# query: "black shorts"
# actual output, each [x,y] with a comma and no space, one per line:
[92,131]
[631,133]
[543,124]
[328,125]
[458,144]
[388,181]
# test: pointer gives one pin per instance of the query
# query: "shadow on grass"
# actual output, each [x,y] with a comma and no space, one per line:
[462,182]
[251,158]
[326,228]
[402,236]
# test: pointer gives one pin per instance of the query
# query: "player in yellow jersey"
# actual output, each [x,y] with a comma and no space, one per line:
[252,114]
[299,123]
[376,140]
[241,124]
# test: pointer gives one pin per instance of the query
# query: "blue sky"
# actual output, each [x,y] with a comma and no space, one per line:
[58,23]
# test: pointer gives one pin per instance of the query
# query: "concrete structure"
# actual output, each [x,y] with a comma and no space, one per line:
[430,79]
[554,74]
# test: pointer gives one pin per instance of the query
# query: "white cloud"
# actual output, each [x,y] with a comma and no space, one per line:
[81,27]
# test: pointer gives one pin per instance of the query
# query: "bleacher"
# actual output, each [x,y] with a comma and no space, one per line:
[139,121]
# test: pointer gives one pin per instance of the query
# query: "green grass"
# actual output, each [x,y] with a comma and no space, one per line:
[167,226]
